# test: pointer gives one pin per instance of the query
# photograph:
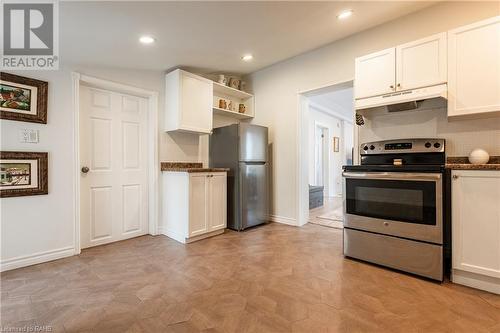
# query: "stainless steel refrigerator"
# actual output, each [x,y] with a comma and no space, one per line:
[243,149]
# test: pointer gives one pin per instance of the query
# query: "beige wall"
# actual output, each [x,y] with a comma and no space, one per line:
[46,228]
[276,89]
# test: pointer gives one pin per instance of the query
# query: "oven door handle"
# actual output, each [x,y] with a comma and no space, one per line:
[393,175]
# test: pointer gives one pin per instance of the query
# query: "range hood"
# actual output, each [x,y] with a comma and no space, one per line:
[403,100]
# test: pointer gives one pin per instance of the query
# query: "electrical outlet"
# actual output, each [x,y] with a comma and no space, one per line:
[27,135]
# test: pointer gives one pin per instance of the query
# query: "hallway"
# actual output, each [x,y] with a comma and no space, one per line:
[328,215]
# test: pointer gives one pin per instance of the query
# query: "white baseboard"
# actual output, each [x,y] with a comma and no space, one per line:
[172,234]
[36,258]
[282,219]
[477,281]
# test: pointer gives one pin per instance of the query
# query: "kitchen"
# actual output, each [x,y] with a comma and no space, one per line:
[275,90]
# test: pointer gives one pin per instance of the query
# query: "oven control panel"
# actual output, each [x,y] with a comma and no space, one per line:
[403,146]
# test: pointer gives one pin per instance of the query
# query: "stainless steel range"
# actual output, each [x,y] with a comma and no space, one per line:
[394,205]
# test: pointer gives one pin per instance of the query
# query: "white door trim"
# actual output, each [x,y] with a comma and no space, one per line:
[152,142]
[302,175]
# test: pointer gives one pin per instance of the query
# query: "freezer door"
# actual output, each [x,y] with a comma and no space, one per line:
[254,196]
[253,143]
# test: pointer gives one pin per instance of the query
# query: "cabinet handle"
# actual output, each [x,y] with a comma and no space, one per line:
[399,85]
[391,86]
[455,176]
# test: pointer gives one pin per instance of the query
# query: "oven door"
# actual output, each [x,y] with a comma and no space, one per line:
[401,204]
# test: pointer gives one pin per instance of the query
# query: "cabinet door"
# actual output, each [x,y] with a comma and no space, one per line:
[218,201]
[476,222]
[474,68]
[375,74]
[196,103]
[198,204]
[421,63]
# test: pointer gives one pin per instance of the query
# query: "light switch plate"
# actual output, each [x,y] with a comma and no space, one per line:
[27,135]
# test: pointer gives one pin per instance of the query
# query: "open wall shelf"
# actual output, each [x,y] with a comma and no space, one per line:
[236,97]
[234,114]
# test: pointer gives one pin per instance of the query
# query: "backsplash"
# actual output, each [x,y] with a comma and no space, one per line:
[461,135]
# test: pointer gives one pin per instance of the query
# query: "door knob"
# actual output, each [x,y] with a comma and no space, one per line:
[85,169]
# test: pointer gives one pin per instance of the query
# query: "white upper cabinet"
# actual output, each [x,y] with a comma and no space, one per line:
[474,68]
[375,73]
[188,102]
[417,64]
[421,63]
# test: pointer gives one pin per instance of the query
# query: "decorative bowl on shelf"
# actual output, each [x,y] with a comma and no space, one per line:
[479,156]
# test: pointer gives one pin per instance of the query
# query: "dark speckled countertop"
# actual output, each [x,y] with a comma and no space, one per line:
[462,163]
[188,167]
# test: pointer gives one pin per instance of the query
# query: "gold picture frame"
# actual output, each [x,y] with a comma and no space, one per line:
[23,173]
[23,98]
[336,144]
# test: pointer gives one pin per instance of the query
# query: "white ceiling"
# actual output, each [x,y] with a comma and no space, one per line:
[210,36]
[339,101]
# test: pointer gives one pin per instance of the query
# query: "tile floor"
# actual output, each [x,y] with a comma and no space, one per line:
[330,204]
[273,278]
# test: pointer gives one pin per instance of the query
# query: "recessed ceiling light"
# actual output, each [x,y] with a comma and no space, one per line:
[344,14]
[146,40]
[247,57]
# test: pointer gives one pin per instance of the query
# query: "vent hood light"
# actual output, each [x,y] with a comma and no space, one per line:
[404,100]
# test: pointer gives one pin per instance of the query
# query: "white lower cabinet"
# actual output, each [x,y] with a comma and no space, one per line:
[476,229]
[194,205]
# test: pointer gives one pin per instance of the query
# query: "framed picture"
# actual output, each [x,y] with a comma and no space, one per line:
[23,99]
[23,173]
[336,141]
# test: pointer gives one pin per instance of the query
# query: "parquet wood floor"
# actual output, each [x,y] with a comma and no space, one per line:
[274,278]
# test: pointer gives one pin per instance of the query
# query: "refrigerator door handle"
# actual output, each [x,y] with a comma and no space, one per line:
[254,162]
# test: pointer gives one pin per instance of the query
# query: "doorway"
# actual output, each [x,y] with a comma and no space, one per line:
[116,161]
[327,140]
[321,157]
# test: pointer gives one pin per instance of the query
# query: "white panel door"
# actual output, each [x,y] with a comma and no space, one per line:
[218,201]
[476,222]
[198,204]
[375,74]
[113,193]
[474,68]
[421,63]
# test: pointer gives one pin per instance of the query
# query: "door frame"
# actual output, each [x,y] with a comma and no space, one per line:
[152,142]
[302,121]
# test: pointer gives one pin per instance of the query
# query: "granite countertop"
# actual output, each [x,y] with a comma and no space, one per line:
[188,167]
[462,163]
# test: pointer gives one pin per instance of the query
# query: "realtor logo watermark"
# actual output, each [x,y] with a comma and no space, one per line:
[30,35]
